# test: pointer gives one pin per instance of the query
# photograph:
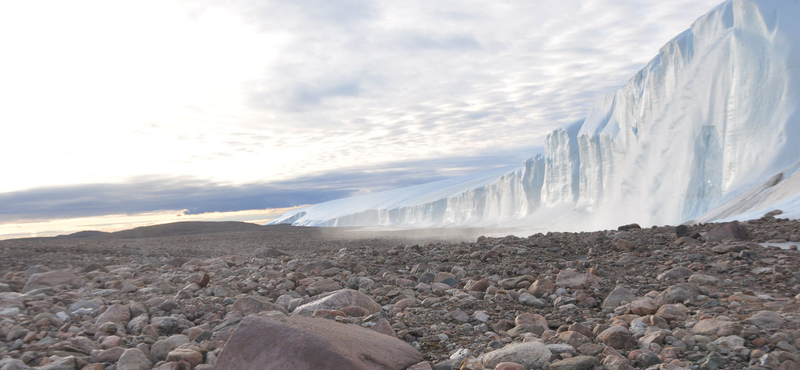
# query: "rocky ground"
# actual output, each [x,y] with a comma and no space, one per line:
[706,296]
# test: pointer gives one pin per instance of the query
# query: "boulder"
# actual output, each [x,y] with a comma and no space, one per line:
[306,343]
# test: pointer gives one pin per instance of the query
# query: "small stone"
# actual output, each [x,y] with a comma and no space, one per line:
[192,357]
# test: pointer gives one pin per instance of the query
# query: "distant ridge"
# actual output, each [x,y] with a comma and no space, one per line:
[184,228]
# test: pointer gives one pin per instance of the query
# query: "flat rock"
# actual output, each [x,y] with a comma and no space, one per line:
[251,305]
[575,363]
[50,279]
[530,354]
[720,328]
[306,343]
[576,280]
[765,320]
[338,300]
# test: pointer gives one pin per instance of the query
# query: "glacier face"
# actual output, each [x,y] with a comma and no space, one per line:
[709,129]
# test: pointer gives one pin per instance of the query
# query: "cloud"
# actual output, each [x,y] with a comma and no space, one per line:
[147,194]
[241,91]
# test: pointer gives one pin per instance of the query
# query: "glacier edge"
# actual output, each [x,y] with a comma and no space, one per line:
[702,127]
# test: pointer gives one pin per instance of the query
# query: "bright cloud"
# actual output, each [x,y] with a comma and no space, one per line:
[252,91]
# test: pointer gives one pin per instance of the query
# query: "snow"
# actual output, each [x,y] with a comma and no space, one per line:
[708,130]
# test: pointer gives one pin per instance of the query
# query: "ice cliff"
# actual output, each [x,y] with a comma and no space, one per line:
[709,129]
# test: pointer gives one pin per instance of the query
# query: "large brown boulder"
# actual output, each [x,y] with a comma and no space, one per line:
[337,300]
[302,343]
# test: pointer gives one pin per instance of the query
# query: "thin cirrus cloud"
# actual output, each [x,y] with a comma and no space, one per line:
[147,194]
[262,94]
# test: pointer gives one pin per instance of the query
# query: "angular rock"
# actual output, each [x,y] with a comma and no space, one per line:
[644,306]
[116,313]
[251,305]
[541,287]
[308,343]
[133,359]
[576,280]
[616,297]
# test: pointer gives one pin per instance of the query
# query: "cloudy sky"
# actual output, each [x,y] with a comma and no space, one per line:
[133,106]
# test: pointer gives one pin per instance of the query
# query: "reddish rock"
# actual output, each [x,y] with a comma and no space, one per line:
[192,357]
[307,343]
[617,337]
[480,286]
[576,280]
[541,287]
[383,327]
[644,306]
[115,313]
[201,279]
[730,230]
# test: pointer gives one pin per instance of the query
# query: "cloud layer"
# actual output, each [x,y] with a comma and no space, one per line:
[251,92]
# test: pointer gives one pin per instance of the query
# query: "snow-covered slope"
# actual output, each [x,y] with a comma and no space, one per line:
[709,129]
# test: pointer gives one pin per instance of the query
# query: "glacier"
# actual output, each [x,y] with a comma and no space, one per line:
[708,130]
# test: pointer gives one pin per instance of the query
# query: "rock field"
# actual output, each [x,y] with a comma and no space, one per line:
[709,296]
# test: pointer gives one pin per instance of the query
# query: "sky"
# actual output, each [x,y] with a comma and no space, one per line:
[127,107]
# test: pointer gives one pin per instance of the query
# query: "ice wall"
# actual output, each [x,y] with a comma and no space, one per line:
[711,117]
